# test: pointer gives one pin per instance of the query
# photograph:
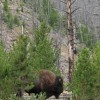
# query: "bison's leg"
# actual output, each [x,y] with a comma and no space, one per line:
[33,90]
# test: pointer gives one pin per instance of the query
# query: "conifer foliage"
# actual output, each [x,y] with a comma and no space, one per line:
[43,55]
[85,78]
[18,59]
[96,66]
[5,74]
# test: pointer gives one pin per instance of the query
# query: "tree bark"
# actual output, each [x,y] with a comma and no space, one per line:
[70,39]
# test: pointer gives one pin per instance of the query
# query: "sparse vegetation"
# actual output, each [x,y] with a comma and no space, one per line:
[85,35]
[53,18]
[8,17]
[48,14]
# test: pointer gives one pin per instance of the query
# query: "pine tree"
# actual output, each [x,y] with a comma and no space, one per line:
[10,20]
[53,18]
[5,75]
[82,80]
[43,55]
[18,59]
[96,66]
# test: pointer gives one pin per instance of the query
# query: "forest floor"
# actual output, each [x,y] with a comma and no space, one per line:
[64,96]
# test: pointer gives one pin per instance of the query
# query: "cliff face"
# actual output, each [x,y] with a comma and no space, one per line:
[89,12]
[9,35]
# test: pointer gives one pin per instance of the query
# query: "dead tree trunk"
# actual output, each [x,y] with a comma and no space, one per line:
[70,39]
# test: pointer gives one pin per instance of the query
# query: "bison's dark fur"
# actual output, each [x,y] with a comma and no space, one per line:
[49,83]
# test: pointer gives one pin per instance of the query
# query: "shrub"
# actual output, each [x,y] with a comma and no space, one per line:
[6,8]
[16,20]
[10,20]
[41,96]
